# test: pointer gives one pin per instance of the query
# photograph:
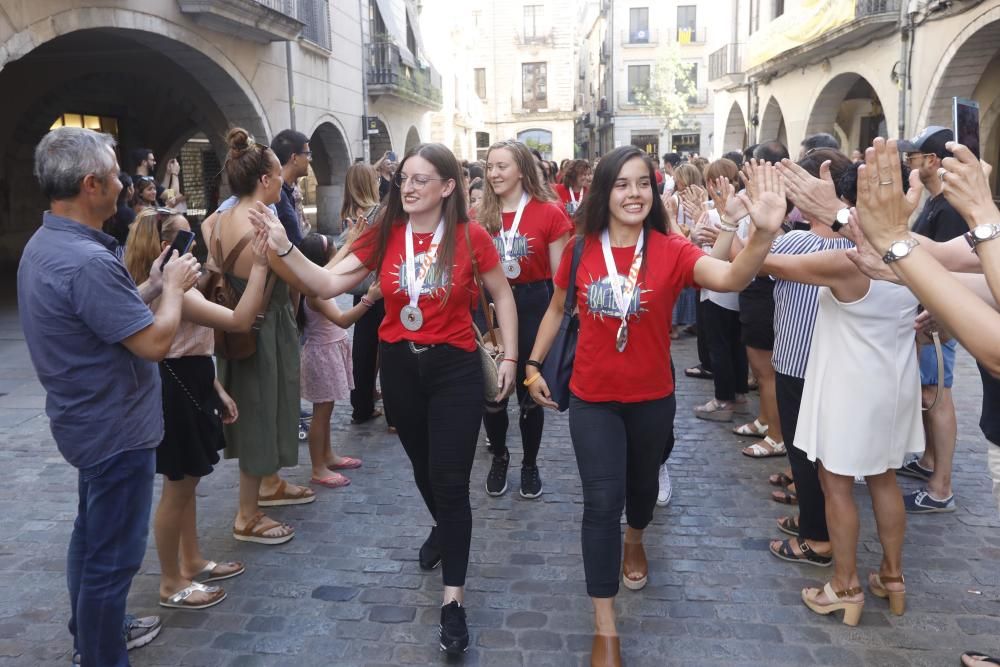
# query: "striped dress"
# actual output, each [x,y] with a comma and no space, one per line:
[795,304]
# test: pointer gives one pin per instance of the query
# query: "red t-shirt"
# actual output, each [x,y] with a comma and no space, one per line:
[563,193]
[445,322]
[541,224]
[642,371]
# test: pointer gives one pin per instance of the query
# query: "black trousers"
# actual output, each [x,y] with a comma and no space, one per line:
[436,398]
[728,355]
[671,436]
[812,502]
[532,300]
[364,356]
[704,360]
[619,447]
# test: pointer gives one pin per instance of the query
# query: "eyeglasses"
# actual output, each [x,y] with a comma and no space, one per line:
[308,154]
[910,157]
[419,181]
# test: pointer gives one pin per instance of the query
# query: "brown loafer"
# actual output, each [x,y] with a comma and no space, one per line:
[606,652]
[635,569]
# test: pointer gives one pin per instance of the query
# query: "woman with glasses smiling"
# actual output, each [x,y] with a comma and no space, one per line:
[426,254]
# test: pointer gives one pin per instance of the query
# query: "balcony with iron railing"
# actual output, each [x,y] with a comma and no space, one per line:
[389,75]
[691,36]
[631,101]
[725,65]
[261,21]
[863,8]
[639,38]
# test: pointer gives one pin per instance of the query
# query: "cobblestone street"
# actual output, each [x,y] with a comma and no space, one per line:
[347,590]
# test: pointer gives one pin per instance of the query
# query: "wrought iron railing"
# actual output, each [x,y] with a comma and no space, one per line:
[386,68]
[316,15]
[863,8]
[725,61]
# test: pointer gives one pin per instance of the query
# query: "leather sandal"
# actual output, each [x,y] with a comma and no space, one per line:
[255,532]
[634,563]
[283,496]
[606,651]
[897,599]
[852,610]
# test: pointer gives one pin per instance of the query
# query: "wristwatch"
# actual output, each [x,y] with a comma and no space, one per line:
[982,233]
[843,216]
[899,249]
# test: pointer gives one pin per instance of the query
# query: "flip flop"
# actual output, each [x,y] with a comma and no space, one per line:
[179,600]
[334,481]
[347,463]
[206,575]
[980,657]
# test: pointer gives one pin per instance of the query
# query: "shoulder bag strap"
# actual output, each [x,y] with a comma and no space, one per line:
[570,305]
[227,265]
[487,313]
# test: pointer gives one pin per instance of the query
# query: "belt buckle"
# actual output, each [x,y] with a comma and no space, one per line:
[417,349]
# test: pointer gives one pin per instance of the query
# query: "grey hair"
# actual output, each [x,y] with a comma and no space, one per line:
[66,155]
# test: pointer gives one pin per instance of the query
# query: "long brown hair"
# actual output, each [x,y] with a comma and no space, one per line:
[573,172]
[151,228]
[453,208]
[489,214]
[595,214]
[360,190]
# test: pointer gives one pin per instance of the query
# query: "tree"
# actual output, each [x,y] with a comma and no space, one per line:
[670,90]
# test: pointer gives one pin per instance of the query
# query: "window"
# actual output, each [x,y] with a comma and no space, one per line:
[690,74]
[104,124]
[482,145]
[540,140]
[638,81]
[779,8]
[532,22]
[411,38]
[534,88]
[480,74]
[638,25]
[753,19]
[687,23]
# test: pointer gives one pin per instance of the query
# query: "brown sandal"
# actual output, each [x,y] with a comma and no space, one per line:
[254,532]
[634,563]
[785,497]
[282,496]
[852,610]
[605,651]
[780,479]
[897,599]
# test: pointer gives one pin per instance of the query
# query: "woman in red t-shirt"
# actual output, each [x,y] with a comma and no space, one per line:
[622,388]
[432,375]
[575,183]
[530,230]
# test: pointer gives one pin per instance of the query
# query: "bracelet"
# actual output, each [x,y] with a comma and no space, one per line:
[513,361]
[532,362]
[291,247]
[368,303]
[529,381]
[726,227]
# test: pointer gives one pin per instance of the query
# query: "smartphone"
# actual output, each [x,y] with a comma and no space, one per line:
[391,157]
[182,243]
[965,118]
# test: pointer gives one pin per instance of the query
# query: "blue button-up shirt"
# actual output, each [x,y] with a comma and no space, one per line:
[77,303]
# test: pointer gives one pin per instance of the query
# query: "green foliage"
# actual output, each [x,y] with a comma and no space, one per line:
[670,92]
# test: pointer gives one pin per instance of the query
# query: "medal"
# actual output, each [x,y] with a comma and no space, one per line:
[573,204]
[511,268]
[411,317]
[622,293]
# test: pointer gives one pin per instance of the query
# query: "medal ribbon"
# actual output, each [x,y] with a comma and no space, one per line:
[572,196]
[623,296]
[414,282]
[508,239]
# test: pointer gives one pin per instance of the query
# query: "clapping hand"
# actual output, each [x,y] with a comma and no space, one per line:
[764,198]
[259,246]
[965,184]
[263,218]
[883,209]
[815,197]
[864,256]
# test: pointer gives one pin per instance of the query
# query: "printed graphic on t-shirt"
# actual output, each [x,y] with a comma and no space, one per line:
[601,298]
[520,248]
[435,283]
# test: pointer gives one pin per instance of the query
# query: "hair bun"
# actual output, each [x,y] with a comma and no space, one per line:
[238,140]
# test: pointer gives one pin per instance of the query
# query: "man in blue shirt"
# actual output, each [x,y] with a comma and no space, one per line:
[292,150]
[94,344]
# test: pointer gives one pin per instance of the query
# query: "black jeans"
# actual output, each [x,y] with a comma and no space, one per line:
[436,398]
[812,502]
[532,301]
[704,360]
[671,435]
[619,447]
[364,356]
[729,357]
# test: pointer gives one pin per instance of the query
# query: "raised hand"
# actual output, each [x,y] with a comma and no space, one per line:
[883,209]
[815,197]
[965,184]
[864,256]
[263,218]
[259,246]
[764,198]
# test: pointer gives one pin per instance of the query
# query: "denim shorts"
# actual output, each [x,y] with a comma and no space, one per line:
[928,363]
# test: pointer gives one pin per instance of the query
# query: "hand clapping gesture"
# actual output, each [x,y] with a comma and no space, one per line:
[764,198]
[966,184]
[882,208]
[264,219]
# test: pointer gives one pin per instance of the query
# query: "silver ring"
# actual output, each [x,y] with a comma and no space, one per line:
[941,172]
[889,182]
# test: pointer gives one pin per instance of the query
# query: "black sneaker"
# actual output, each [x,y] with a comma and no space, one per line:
[430,554]
[454,631]
[915,470]
[496,481]
[531,482]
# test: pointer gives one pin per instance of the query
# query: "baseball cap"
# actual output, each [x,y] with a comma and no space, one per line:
[930,140]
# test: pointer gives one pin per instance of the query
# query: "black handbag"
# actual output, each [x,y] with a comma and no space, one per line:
[558,366]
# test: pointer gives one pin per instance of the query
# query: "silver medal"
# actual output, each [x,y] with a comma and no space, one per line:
[411,317]
[622,339]
[511,268]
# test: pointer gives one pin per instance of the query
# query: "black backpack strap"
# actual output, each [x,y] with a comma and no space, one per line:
[570,305]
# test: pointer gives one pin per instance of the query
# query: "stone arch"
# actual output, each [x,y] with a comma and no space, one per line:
[412,139]
[849,108]
[772,124]
[331,158]
[381,142]
[735,137]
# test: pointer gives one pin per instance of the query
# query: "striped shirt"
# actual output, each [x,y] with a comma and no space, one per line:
[795,304]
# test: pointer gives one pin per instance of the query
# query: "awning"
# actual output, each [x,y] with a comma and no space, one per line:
[396,25]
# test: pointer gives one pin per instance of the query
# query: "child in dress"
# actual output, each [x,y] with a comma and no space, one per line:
[327,374]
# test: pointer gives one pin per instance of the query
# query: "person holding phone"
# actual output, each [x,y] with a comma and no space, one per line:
[530,230]
[195,407]
[630,273]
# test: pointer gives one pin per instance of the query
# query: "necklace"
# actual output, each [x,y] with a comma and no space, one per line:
[426,237]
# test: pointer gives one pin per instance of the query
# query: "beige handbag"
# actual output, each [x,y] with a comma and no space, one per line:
[490,359]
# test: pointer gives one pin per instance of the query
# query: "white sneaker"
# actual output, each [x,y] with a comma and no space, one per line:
[666,490]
